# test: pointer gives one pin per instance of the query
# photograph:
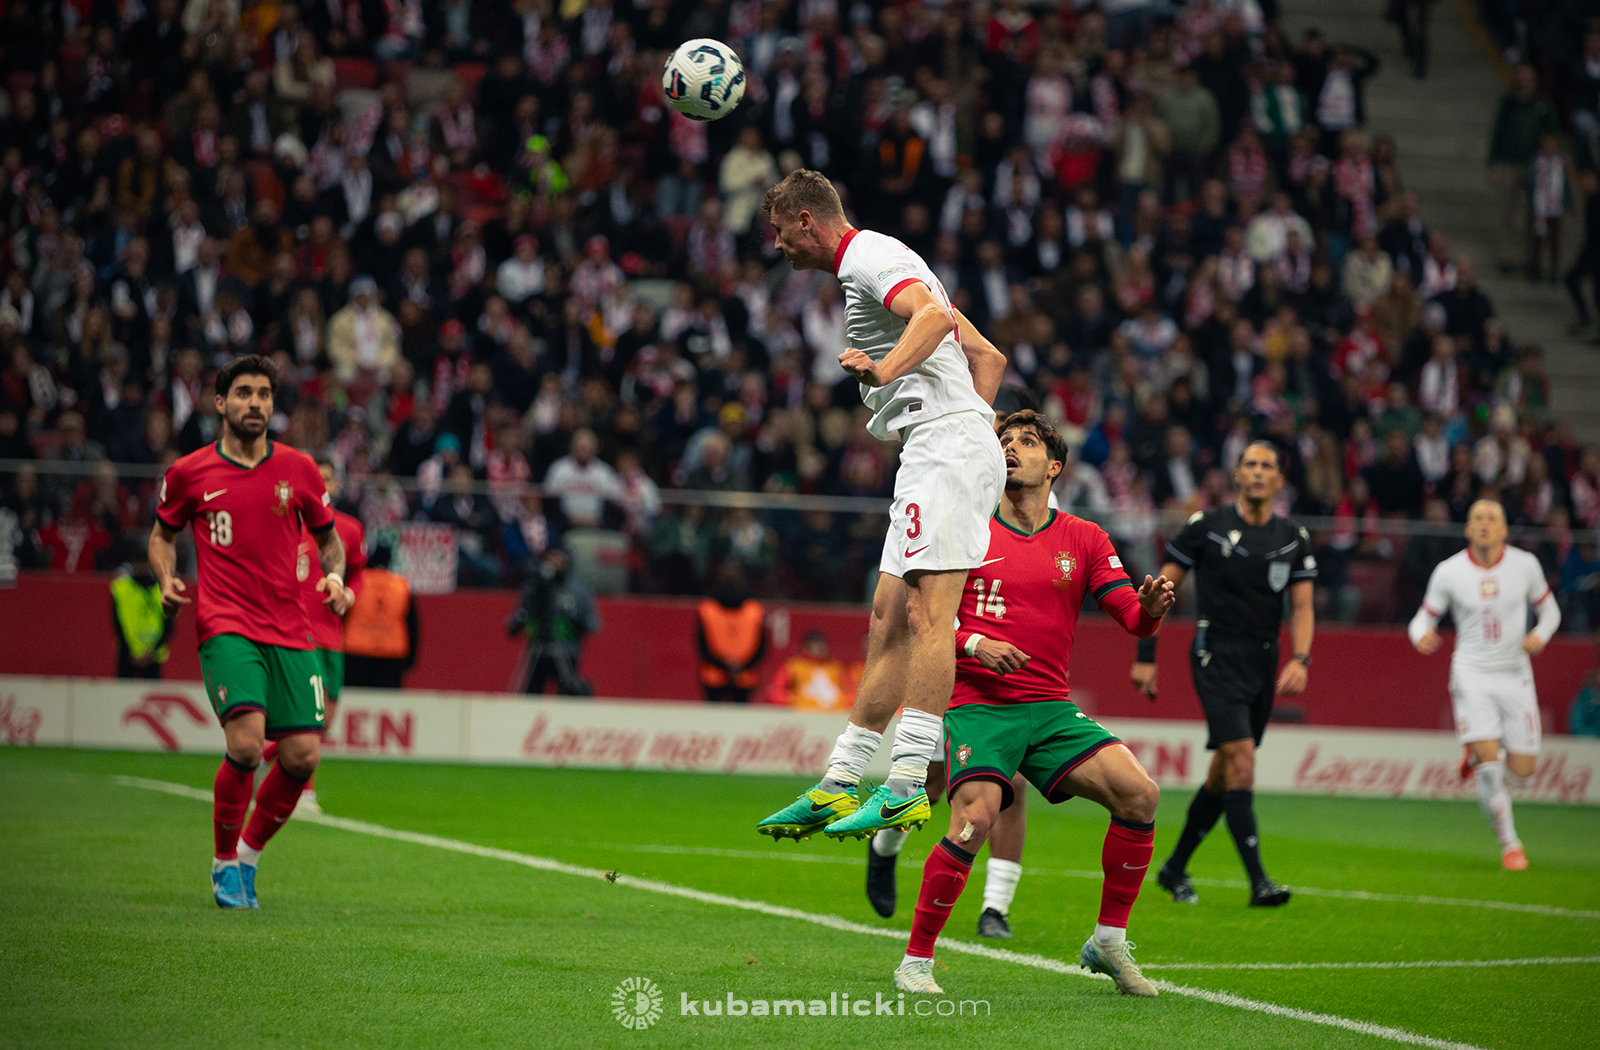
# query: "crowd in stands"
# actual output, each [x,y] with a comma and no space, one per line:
[484,252]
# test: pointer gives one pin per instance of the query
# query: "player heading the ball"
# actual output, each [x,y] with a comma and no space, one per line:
[929,378]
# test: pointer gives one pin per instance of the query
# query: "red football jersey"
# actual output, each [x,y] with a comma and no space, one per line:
[247,527]
[327,630]
[1028,592]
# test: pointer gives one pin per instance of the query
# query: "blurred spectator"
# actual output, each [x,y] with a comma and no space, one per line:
[1523,116]
[582,482]
[381,630]
[812,680]
[555,612]
[731,636]
[142,628]
[1583,717]
[363,337]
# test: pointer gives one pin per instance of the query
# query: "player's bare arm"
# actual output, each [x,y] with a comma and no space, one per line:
[1143,674]
[1302,624]
[164,563]
[330,553]
[928,321]
[984,360]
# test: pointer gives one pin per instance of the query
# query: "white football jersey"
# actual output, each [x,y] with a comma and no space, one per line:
[873,269]
[1490,606]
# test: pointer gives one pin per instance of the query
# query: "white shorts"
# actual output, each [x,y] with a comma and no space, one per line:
[1496,705]
[952,473]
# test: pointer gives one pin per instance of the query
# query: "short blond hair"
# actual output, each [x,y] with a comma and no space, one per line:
[804,190]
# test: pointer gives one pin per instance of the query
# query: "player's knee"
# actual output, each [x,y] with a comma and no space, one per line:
[1141,802]
[246,752]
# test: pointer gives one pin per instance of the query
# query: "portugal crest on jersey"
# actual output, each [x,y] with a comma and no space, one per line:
[962,754]
[1067,564]
[285,492]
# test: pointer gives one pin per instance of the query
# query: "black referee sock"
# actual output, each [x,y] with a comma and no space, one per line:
[1204,812]
[1240,806]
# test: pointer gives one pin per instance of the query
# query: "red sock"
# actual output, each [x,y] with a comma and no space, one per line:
[274,802]
[1125,858]
[944,876]
[269,752]
[230,798]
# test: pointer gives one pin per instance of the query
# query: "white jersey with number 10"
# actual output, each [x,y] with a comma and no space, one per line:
[1490,606]
[872,270]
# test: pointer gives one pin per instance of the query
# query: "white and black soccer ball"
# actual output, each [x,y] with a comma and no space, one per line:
[704,79]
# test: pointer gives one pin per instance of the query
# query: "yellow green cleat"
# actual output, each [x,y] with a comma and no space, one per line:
[882,809]
[810,813]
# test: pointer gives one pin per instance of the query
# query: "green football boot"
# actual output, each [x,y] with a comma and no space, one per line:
[809,813]
[883,809]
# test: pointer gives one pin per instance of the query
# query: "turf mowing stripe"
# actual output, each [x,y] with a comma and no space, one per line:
[1041,962]
[1228,884]
[1553,960]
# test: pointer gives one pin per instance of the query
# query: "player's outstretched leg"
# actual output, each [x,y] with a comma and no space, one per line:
[882,690]
[275,801]
[1115,779]
[1004,868]
[1495,801]
[230,794]
[974,805]
[883,853]
[932,599]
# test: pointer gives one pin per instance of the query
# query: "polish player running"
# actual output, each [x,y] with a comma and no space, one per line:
[1010,711]
[249,499]
[327,627]
[1487,589]
[928,377]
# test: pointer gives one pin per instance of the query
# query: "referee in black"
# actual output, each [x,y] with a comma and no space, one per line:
[1243,557]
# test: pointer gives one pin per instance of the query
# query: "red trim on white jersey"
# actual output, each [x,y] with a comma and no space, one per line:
[844,242]
[897,288]
[1473,558]
[1431,610]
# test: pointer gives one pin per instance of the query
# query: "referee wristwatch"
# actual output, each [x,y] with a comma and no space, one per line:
[1303,659]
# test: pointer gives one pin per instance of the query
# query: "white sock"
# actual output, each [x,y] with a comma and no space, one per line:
[1000,884]
[888,842]
[1109,935]
[851,753]
[249,856]
[217,863]
[1496,802]
[908,960]
[914,745]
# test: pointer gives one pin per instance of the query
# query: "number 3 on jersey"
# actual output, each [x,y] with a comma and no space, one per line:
[991,604]
[913,512]
[221,523]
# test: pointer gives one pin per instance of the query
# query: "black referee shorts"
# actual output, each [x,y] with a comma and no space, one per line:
[1235,678]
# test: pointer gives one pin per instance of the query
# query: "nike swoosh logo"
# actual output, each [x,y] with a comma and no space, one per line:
[944,904]
[991,561]
[1138,867]
[919,550]
[819,809]
[891,812]
[213,495]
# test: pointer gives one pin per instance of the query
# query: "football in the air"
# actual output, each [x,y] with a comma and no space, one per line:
[704,79]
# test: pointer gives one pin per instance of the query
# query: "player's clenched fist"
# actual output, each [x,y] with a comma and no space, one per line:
[861,367]
[1428,644]
[1000,657]
[339,599]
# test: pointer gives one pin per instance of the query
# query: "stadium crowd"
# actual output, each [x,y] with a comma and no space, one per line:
[484,253]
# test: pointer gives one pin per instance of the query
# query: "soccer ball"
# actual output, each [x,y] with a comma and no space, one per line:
[704,79]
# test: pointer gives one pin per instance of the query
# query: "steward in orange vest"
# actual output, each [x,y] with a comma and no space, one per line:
[731,635]
[381,632]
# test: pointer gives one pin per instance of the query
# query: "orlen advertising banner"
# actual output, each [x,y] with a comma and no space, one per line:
[621,734]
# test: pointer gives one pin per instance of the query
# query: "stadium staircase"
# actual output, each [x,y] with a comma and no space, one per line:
[1441,126]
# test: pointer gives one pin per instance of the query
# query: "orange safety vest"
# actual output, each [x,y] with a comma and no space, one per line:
[376,623]
[818,685]
[733,636]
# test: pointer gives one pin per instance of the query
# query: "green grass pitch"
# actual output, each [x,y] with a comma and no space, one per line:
[108,937]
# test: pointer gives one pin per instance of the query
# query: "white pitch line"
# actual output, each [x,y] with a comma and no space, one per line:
[1426,964]
[1040,962]
[1230,884]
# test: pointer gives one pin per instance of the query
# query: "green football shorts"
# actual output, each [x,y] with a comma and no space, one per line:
[1044,741]
[284,684]
[332,672]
